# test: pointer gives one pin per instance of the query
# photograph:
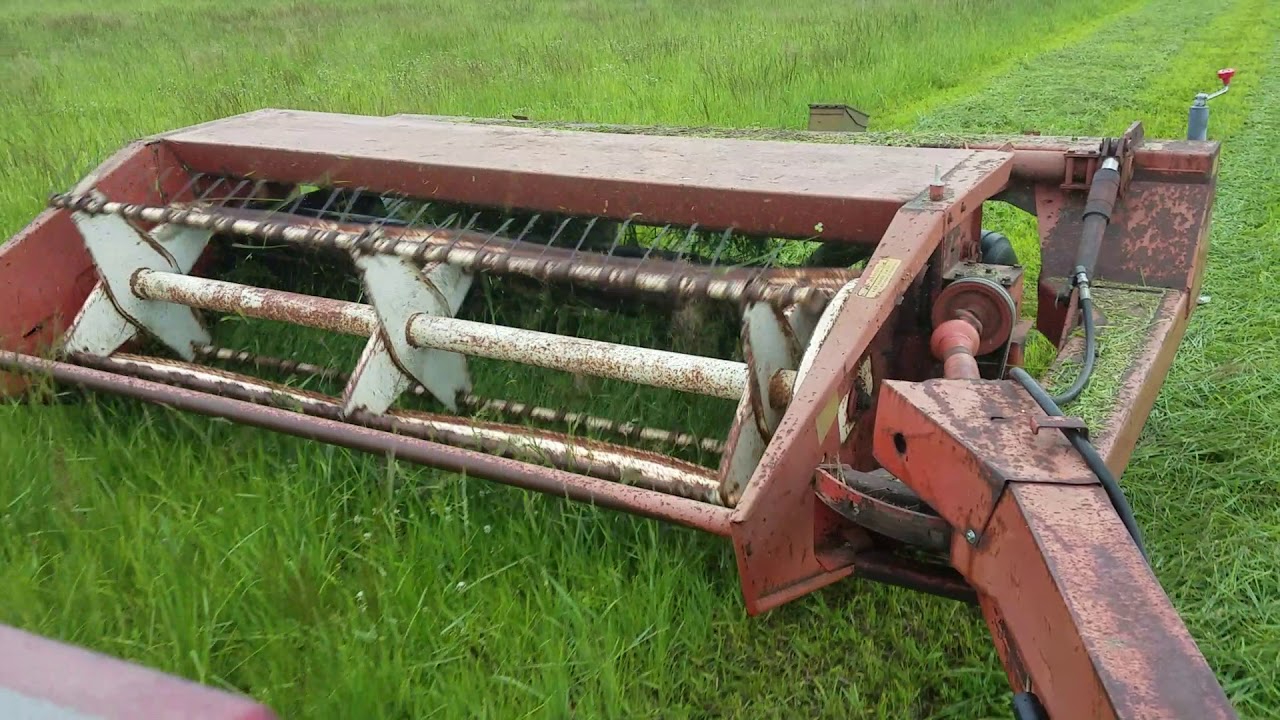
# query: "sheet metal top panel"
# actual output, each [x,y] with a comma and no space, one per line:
[753,185]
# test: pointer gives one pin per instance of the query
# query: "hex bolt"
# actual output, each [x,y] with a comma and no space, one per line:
[971,536]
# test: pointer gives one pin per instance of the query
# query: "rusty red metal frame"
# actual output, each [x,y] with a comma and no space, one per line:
[1075,612]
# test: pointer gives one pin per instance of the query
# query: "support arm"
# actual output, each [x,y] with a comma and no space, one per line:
[1077,615]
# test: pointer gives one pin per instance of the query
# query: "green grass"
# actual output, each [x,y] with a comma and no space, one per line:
[331,584]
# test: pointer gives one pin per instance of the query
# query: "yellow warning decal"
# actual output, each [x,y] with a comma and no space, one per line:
[827,417]
[875,281]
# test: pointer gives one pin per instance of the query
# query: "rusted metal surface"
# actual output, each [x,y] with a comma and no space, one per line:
[1155,235]
[660,368]
[1018,342]
[618,496]
[480,252]
[779,523]
[506,408]
[1094,634]
[1033,534]
[596,459]
[716,184]
[337,316]
[1075,611]
[883,505]
[978,427]
[1118,434]
[644,366]
[1073,424]
[37,313]
[1036,158]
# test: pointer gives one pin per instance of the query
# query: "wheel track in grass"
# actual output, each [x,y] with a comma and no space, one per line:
[1077,89]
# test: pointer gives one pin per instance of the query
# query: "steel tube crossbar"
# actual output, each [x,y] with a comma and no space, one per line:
[644,366]
[694,374]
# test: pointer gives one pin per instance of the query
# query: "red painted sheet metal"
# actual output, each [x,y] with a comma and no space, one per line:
[757,187]
[1076,613]
[1082,614]
[45,271]
[43,678]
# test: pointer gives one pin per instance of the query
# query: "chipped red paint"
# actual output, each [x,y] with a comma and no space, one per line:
[45,270]
[1098,637]
[1075,611]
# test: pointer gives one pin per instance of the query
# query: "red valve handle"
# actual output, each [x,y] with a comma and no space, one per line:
[1225,75]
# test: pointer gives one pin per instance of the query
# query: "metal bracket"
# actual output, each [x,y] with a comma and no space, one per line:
[1081,164]
[881,503]
[113,314]
[1080,167]
[1123,148]
[1065,424]
[389,364]
[771,342]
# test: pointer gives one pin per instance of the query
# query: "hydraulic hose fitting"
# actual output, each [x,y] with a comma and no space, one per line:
[1103,192]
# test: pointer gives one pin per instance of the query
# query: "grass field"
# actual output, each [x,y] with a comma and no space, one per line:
[330,584]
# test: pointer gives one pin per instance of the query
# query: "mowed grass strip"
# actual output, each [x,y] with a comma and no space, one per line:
[1201,479]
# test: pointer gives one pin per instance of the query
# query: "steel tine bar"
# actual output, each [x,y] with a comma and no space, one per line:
[527,228]
[554,236]
[508,408]
[720,247]
[687,243]
[622,232]
[333,196]
[191,184]
[208,192]
[627,275]
[351,205]
[585,233]
[332,428]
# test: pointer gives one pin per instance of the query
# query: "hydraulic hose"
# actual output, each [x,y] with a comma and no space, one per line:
[1090,345]
[1103,192]
[1091,458]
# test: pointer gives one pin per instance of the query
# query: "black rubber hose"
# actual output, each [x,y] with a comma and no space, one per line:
[1026,706]
[1103,191]
[996,249]
[1091,458]
[1090,351]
